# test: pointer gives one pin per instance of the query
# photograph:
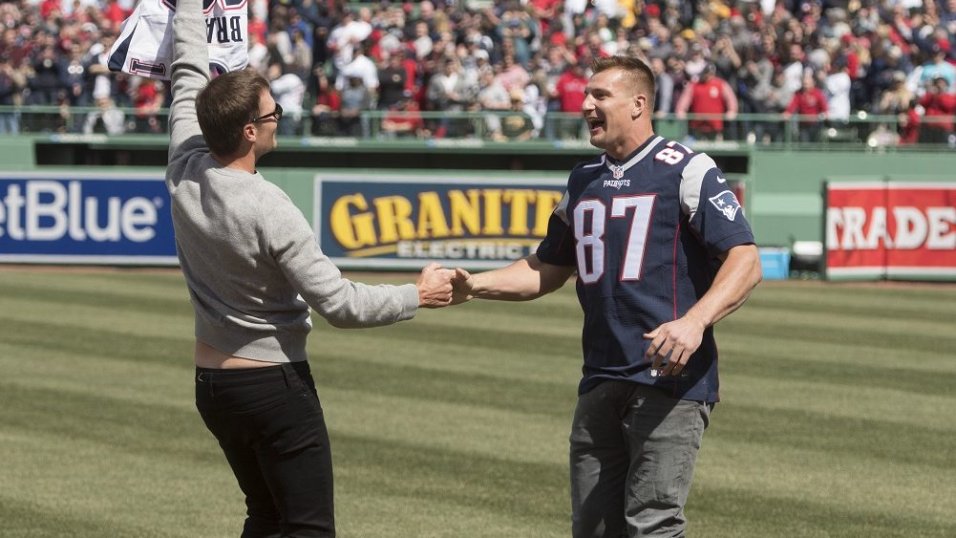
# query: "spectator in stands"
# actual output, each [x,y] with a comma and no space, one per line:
[837,87]
[289,91]
[404,120]
[328,104]
[12,82]
[360,66]
[393,81]
[810,104]
[515,25]
[301,54]
[150,97]
[939,104]
[937,66]
[569,92]
[355,99]
[345,36]
[106,118]
[512,75]
[493,98]
[46,87]
[516,124]
[74,77]
[664,90]
[754,89]
[744,41]
[709,95]
[448,91]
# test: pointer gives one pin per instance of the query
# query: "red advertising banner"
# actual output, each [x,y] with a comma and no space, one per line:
[891,230]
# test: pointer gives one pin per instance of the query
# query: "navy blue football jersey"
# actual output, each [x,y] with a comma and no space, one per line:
[644,234]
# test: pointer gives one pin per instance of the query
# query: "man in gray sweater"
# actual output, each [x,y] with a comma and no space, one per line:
[253,269]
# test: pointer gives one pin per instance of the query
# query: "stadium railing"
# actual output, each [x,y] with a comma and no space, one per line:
[773,131]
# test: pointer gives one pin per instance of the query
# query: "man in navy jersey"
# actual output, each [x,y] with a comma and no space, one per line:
[662,252]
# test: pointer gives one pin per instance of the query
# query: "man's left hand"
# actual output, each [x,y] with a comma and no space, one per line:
[674,342]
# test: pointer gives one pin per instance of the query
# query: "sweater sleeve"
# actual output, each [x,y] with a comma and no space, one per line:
[189,75]
[343,303]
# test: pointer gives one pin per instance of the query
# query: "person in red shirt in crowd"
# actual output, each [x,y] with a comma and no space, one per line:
[569,92]
[115,14]
[149,99]
[709,94]
[404,119]
[939,105]
[328,103]
[909,125]
[810,104]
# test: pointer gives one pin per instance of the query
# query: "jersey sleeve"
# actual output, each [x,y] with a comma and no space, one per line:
[712,209]
[557,248]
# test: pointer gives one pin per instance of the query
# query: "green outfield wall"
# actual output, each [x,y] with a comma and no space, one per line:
[782,187]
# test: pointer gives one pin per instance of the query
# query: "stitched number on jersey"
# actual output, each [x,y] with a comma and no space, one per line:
[590,220]
[673,153]
[590,239]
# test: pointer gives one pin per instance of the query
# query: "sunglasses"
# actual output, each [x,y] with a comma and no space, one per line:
[277,114]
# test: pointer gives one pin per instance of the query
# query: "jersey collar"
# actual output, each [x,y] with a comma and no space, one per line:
[618,168]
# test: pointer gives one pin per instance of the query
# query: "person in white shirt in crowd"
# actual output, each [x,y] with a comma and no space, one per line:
[362,67]
[836,87]
[288,90]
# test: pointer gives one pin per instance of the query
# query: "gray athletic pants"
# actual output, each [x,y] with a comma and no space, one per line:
[633,449]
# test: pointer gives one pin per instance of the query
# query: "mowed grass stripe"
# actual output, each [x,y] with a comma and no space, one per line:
[35,337]
[25,519]
[149,322]
[100,281]
[852,353]
[859,326]
[468,429]
[131,301]
[840,400]
[433,518]
[132,494]
[116,425]
[833,330]
[835,435]
[877,296]
[840,369]
[483,340]
[512,394]
[717,511]
[852,482]
[522,491]
[462,357]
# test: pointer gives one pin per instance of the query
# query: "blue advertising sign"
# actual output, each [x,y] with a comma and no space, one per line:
[403,222]
[85,218]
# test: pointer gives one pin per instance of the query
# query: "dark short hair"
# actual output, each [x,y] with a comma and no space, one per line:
[639,72]
[226,105]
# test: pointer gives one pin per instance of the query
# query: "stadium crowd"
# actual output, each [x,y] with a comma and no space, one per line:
[822,62]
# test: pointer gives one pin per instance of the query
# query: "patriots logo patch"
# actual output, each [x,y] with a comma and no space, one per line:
[726,203]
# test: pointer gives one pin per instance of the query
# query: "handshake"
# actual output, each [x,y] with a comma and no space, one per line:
[438,286]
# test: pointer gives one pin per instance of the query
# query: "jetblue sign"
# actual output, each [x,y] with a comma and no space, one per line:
[76,218]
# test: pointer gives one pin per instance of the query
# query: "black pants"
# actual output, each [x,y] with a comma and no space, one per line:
[270,425]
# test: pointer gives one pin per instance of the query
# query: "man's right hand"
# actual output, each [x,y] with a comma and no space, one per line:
[434,286]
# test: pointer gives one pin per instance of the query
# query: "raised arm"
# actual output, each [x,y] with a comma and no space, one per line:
[190,74]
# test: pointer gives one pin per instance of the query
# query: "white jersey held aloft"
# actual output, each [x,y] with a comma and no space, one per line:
[145,43]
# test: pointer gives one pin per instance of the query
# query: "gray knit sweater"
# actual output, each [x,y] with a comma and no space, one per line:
[250,259]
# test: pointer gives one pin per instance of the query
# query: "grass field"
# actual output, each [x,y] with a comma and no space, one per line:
[837,419]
